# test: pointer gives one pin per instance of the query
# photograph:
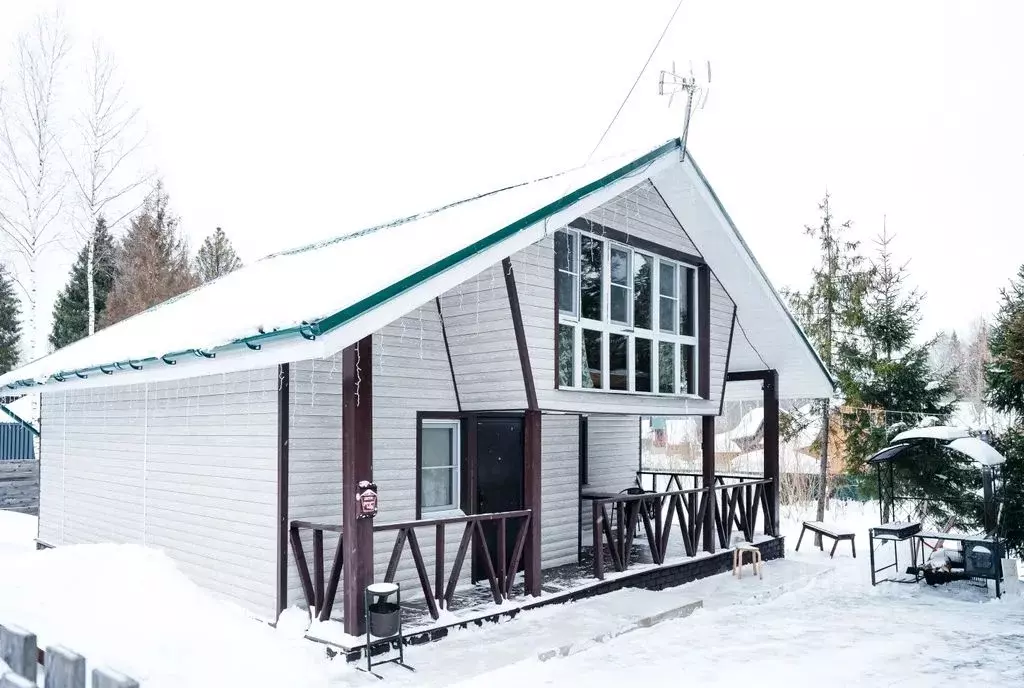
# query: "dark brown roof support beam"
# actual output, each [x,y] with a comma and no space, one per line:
[520,331]
[532,497]
[704,332]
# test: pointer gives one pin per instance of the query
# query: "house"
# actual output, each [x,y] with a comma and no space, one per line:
[413,385]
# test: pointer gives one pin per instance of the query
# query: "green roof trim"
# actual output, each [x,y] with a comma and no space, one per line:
[355,310]
[764,276]
[310,330]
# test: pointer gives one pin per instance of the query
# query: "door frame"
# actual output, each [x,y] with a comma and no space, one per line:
[468,460]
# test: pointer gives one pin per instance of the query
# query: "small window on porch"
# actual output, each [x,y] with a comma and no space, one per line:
[439,472]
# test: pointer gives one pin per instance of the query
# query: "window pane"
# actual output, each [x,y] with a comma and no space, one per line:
[591,262]
[620,267]
[438,445]
[642,365]
[566,293]
[643,273]
[618,362]
[592,359]
[687,381]
[564,254]
[566,359]
[667,279]
[666,367]
[619,304]
[686,301]
[436,488]
[666,314]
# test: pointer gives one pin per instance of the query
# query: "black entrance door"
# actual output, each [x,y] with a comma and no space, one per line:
[499,483]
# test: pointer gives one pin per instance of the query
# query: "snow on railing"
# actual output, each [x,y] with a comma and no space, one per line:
[63,668]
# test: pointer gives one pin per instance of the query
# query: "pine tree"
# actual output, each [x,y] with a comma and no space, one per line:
[153,263]
[890,374]
[10,323]
[1005,374]
[830,310]
[71,310]
[216,257]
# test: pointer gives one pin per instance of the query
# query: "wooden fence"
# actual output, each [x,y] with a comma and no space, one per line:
[19,486]
[63,668]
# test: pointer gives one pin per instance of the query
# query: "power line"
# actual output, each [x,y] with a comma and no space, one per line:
[637,81]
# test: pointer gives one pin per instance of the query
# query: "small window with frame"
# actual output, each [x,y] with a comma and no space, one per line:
[440,459]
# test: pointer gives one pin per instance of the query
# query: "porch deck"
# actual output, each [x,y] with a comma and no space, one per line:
[474,605]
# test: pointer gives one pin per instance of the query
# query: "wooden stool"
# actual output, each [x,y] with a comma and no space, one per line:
[755,559]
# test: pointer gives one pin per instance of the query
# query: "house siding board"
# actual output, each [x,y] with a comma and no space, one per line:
[642,213]
[410,374]
[478,322]
[186,466]
[613,458]
[559,489]
[314,460]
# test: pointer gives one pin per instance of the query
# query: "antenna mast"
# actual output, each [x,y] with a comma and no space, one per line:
[672,82]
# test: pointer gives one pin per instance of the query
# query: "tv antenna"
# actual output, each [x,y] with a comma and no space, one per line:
[672,82]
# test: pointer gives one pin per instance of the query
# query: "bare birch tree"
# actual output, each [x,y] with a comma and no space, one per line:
[32,181]
[100,158]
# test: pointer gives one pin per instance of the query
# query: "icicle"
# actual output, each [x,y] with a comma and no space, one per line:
[359,375]
[420,313]
[312,382]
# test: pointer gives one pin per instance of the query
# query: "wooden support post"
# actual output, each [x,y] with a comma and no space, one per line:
[356,465]
[771,445]
[531,499]
[108,678]
[18,650]
[283,393]
[707,443]
[64,668]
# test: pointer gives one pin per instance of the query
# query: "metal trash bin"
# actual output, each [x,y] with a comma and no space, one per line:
[383,615]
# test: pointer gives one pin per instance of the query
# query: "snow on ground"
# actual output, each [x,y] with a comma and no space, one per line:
[129,608]
[812,621]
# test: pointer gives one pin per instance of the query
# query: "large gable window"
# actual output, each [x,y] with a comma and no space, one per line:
[627,317]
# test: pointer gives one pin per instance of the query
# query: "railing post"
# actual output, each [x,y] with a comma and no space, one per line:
[439,564]
[707,443]
[64,668]
[771,443]
[597,525]
[18,650]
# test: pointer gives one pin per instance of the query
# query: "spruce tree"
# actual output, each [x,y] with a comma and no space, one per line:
[71,310]
[830,310]
[888,372]
[10,323]
[152,264]
[216,257]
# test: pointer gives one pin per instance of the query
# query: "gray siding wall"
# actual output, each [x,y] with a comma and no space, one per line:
[640,212]
[478,321]
[314,458]
[189,467]
[613,458]
[410,374]
[560,445]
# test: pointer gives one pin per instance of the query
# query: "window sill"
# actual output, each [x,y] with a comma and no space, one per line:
[640,395]
[441,513]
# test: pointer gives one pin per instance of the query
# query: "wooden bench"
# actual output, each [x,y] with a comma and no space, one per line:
[836,534]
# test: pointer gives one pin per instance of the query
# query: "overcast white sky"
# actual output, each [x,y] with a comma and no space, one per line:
[287,122]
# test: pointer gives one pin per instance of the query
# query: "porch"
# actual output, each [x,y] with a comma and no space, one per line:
[652,540]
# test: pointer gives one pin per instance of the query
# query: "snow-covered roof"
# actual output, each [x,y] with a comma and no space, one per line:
[313,301]
[792,461]
[935,432]
[981,452]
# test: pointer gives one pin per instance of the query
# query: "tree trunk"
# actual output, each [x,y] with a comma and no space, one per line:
[823,474]
[90,280]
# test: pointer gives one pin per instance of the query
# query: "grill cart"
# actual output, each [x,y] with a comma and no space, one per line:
[913,453]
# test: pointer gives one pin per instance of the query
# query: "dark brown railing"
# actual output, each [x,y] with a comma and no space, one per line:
[615,518]
[499,568]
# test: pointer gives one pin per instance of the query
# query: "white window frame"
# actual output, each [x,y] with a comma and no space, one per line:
[574,274]
[654,334]
[455,425]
